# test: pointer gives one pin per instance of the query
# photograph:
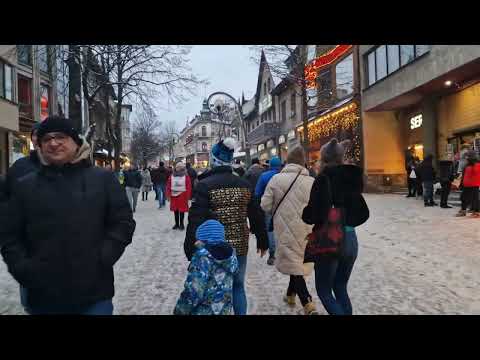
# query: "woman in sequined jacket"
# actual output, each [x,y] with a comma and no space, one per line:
[225,197]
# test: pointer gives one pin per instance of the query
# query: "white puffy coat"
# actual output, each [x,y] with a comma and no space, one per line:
[289,229]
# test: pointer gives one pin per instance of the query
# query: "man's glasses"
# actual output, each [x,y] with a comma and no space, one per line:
[59,138]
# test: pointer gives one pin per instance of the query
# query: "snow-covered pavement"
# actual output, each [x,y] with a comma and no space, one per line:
[412,260]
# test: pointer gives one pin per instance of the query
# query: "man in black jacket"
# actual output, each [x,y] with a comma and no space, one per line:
[446,175]
[159,180]
[225,197]
[193,176]
[133,183]
[69,223]
[427,173]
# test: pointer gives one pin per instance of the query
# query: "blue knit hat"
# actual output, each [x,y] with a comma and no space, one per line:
[211,232]
[275,162]
[222,152]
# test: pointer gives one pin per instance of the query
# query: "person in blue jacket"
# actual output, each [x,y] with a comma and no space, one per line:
[275,168]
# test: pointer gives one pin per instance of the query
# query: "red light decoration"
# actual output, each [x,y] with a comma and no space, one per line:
[312,69]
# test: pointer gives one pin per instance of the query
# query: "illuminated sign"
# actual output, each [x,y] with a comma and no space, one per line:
[281,139]
[416,122]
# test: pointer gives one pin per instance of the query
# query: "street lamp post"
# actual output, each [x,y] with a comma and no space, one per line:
[171,146]
[217,106]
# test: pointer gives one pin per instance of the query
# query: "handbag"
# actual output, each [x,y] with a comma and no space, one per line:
[270,226]
[328,238]
[413,175]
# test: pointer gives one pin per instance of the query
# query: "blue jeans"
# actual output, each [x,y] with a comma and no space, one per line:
[161,190]
[332,275]
[104,307]
[271,238]
[239,296]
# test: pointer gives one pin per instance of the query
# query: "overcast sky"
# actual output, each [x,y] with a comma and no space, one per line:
[227,67]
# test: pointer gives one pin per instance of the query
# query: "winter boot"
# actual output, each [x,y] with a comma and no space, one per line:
[290,300]
[271,260]
[310,309]
[461,213]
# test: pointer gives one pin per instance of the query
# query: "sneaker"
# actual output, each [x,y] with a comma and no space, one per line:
[461,213]
[445,206]
[271,260]
[290,300]
[182,227]
[176,227]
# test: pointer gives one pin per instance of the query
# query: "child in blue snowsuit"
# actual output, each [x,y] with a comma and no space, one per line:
[208,288]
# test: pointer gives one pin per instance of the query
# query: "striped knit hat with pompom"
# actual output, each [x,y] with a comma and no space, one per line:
[211,232]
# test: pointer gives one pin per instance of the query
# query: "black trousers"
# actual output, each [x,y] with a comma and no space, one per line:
[144,195]
[470,197]
[297,285]
[412,187]
[179,218]
[446,186]
[419,185]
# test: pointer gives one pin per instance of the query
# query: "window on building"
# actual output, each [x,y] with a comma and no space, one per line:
[24,54]
[386,59]
[324,81]
[393,57]
[381,61]
[312,97]
[265,88]
[283,109]
[344,77]
[204,147]
[371,68]
[228,132]
[269,85]
[258,122]
[25,97]
[204,131]
[43,57]
[44,101]
[311,50]
[6,81]
[269,115]
[293,104]
[407,53]
[421,49]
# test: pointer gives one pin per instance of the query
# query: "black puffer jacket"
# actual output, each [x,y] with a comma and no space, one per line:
[223,196]
[346,182]
[160,175]
[133,178]
[68,228]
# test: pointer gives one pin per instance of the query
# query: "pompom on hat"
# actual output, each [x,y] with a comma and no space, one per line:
[333,152]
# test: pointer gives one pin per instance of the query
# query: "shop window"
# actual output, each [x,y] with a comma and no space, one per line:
[6,81]
[25,97]
[381,61]
[393,58]
[344,77]
[407,53]
[24,54]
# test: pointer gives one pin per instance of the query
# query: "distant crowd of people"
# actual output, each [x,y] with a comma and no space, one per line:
[463,172]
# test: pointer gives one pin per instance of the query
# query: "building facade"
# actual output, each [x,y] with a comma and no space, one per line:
[333,98]
[28,94]
[422,98]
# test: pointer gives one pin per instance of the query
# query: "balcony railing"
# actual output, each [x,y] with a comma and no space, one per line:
[263,133]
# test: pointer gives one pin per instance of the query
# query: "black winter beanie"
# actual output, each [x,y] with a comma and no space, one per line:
[58,124]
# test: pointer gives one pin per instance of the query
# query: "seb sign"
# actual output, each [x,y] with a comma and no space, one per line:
[416,122]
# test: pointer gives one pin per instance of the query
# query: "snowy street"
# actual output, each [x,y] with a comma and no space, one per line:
[412,260]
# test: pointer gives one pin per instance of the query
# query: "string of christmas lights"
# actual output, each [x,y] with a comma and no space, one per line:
[343,124]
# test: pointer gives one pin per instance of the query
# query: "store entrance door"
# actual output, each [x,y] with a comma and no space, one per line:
[417,150]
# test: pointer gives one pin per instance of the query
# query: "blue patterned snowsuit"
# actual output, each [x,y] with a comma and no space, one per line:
[208,288]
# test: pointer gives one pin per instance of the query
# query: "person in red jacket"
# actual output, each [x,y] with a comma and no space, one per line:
[470,184]
[179,192]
